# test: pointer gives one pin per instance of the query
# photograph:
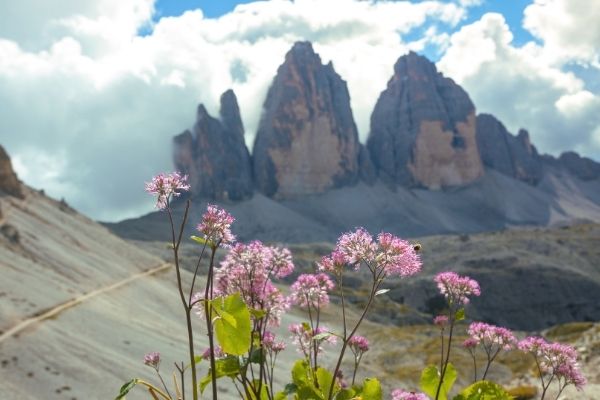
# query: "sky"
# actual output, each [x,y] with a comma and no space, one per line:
[92,91]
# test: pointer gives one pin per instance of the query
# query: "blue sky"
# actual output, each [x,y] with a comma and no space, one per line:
[86,81]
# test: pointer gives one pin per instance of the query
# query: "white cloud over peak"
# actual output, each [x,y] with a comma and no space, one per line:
[90,106]
[523,86]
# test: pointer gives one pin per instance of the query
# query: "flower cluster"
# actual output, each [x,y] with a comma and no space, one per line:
[218,353]
[555,359]
[152,359]
[248,269]
[455,288]
[358,344]
[269,343]
[400,394]
[215,226]
[311,290]
[304,338]
[388,255]
[491,335]
[165,186]
[440,321]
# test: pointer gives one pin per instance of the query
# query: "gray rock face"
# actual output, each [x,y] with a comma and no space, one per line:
[214,154]
[9,183]
[514,156]
[367,171]
[423,129]
[582,167]
[307,141]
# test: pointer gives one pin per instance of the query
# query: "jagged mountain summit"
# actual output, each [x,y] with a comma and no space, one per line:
[307,141]
[423,129]
[214,154]
[431,164]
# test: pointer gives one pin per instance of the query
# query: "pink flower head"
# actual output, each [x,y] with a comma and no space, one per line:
[555,359]
[334,263]
[456,288]
[400,394]
[396,256]
[356,246]
[248,269]
[311,290]
[152,359]
[358,344]
[270,344]
[218,353]
[441,321]
[491,335]
[470,343]
[165,186]
[216,224]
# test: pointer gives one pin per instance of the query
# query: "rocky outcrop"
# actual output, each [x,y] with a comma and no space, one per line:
[367,171]
[582,167]
[307,141]
[9,183]
[514,156]
[214,154]
[423,129]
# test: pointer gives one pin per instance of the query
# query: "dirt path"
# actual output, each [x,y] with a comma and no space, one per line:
[21,326]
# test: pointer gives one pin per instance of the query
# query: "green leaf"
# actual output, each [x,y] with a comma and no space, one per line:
[200,240]
[257,356]
[430,379]
[290,388]
[228,366]
[281,396]
[483,390]
[381,291]
[321,336]
[257,314]
[346,394]
[460,314]
[309,392]
[197,359]
[324,380]
[233,329]
[126,388]
[371,390]
[300,373]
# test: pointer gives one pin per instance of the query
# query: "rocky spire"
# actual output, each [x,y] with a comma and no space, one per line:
[307,141]
[423,129]
[9,183]
[214,154]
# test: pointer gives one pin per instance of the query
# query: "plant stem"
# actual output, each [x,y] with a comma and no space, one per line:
[208,314]
[347,339]
[176,243]
[163,383]
[443,371]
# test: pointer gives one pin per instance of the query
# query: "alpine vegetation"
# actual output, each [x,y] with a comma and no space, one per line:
[240,305]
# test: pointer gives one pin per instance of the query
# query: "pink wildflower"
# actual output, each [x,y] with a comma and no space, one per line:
[470,343]
[440,321]
[358,344]
[165,186]
[248,269]
[356,246]
[311,290]
[218,353]
[396,256]
[400,394]
[491,335]
[270,344]
[456,288]
[152,359]
[555,359]
[216,224]
[333,263]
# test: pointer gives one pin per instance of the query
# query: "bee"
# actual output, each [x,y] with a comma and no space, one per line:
[417,247]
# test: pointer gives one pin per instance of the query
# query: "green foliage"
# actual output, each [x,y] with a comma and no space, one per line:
[371,390]
[460,314]
[483,390]
[430,379]
[228,366]
[232,325]
[126,388]
[202,241]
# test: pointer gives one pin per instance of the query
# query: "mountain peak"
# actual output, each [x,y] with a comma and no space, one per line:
[9,183]
[423,128]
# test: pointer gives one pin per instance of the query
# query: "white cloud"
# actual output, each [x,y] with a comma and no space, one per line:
[523,87]
[89,107]
[570,29]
